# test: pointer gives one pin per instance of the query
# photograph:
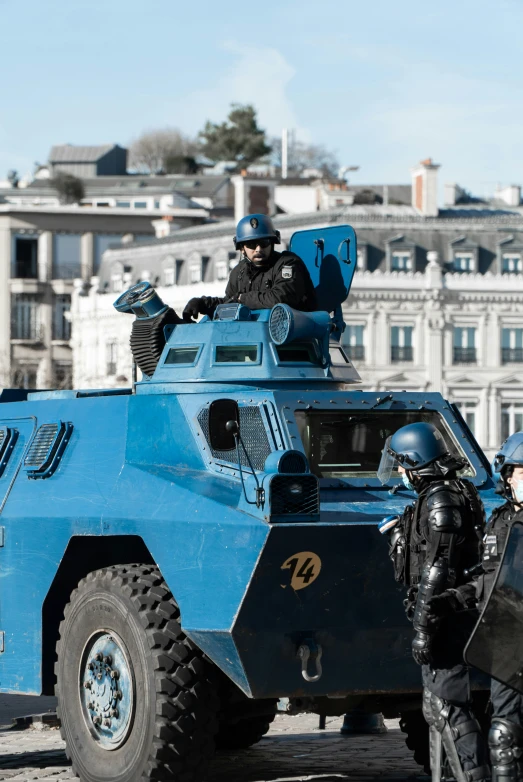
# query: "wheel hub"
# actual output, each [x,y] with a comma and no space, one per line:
[107,690]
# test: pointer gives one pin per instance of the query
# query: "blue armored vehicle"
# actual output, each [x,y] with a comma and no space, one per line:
[178,556]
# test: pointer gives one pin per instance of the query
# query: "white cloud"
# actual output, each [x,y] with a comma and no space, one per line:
[260,76]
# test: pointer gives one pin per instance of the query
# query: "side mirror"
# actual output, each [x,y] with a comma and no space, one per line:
[224,424]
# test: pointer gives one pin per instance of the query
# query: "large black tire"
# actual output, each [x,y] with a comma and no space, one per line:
[244,733]
[413,724]
[170,732]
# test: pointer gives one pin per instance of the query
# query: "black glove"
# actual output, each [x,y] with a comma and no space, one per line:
[422,647]
[452,601]
[207,305]
[191,310]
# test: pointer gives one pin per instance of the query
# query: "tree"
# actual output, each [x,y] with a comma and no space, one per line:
[301,156]
[70,189]
[367,196]
[238,138]
[162,152]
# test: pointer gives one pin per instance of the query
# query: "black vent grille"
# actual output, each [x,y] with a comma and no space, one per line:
[3,435]
[40,449]
[253,434]
[292,463]
[286,500]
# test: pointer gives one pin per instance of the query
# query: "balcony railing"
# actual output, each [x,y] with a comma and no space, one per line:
[401,353]
[511,355]
[355,352]
[464,355]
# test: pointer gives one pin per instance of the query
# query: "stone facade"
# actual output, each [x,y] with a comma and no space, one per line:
[434,305]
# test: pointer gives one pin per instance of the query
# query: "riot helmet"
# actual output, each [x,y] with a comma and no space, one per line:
[415,447]
[510,455]
[255,226]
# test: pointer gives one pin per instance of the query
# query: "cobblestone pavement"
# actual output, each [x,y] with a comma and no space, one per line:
[294,750]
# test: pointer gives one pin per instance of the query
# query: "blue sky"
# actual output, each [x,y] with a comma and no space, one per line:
[383,83]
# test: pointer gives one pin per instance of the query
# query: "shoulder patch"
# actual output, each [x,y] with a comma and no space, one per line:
[286,272]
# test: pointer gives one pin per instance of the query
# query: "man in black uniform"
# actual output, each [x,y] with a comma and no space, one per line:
[432,544]
[506,730]
[263,276]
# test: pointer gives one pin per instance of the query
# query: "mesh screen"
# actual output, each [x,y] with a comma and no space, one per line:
[279,324]
[252,432]
[286,502]
[2,438]
[41,446]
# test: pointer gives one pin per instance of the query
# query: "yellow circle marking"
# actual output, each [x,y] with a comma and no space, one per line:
[305,568]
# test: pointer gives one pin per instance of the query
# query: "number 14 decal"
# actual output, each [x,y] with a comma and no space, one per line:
[305,568]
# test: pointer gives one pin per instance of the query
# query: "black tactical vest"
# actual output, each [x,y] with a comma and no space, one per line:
[419,538]
[496,534]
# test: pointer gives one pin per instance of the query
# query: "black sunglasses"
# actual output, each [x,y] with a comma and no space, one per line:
[263,243]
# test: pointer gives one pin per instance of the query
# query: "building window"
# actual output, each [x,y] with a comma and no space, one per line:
[123,204]
[25,262]
[156,204]
[25,316]
[24,376]
[62,375]
[511,263]
[468,411]
[401,261]
[464,346]
[463,262]
[353,343]
[61,323]
[195,273]
[140,204]
[511,419]
[66,256]
[511,346]
[168,276]
[221,270]
[401,343]
[111,357]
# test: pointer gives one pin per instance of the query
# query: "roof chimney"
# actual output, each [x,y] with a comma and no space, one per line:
[425,187]
[511,195]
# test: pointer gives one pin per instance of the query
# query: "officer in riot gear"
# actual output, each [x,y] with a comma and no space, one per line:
[263,276]
[431,545]
[505,737]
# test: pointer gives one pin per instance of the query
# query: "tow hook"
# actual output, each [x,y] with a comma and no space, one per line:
[310,651]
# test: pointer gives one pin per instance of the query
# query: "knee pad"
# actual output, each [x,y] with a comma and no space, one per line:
[505,740]
[439,710]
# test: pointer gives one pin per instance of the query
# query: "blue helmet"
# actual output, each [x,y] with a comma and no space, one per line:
[510,454]
[417,445]
[255,226]
[414,447]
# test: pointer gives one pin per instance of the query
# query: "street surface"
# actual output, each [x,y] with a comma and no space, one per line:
[294,750]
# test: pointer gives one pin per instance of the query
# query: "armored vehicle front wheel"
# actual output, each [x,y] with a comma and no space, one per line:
[136,699]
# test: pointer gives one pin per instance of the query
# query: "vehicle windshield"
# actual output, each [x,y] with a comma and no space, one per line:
[349,444]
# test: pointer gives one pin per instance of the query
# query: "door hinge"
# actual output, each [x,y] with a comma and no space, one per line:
[2,535]
[2,637]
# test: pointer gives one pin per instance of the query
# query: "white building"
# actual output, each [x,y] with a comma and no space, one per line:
[42,250]
[436,303]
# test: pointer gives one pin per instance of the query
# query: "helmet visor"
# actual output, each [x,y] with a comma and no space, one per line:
[388,463]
